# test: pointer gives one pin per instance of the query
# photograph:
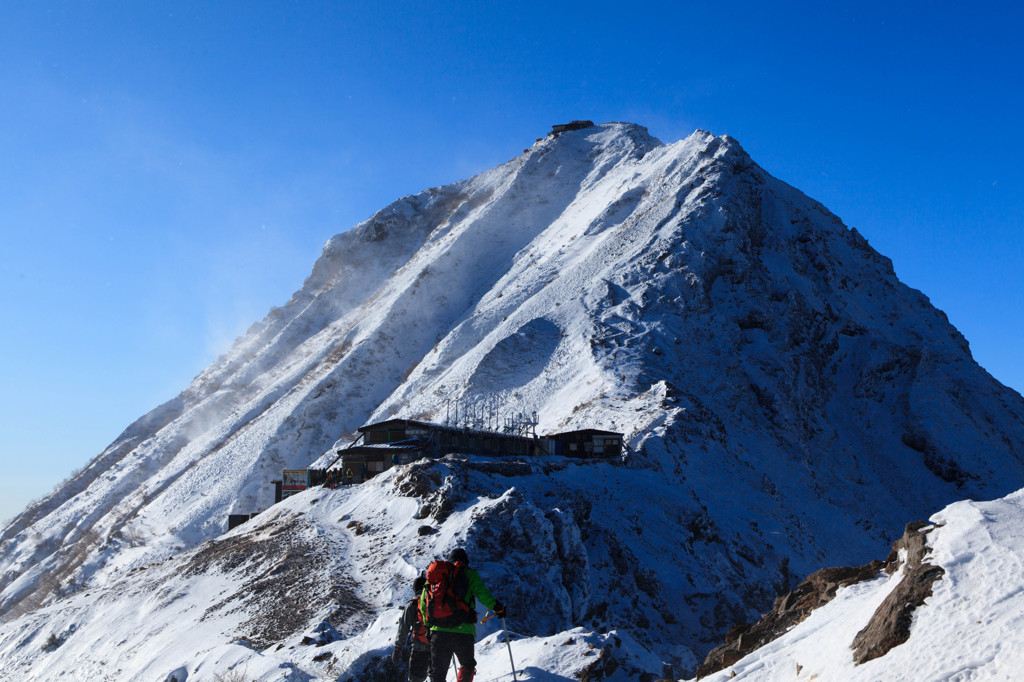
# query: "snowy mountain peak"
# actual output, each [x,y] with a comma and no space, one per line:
[786,401]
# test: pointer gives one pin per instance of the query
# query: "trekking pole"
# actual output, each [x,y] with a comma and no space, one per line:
[453,668]
[509,645]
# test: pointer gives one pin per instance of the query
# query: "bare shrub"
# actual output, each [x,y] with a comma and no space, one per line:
[233,675]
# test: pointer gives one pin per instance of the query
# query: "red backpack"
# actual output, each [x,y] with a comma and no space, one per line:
[447,586]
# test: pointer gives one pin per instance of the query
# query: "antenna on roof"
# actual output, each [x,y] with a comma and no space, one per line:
[485,414]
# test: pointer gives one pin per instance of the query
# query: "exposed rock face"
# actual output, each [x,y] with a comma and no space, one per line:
[889,627]
[789,609]
[600,669]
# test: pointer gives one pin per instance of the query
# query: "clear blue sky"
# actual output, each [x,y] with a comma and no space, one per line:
[170,170]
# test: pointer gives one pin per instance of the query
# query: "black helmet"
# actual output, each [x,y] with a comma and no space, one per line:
[458,554]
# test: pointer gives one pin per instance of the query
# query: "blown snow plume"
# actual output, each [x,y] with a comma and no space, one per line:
[787,402]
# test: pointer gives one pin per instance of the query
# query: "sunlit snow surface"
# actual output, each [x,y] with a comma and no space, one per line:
[156,620]
[971,628]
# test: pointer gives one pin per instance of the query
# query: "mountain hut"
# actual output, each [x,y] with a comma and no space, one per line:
[587,443]
[400,441]
[560,128]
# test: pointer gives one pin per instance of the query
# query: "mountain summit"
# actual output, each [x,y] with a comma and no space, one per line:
[786,401]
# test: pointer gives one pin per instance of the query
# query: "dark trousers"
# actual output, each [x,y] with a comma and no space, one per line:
[443,645]
[419,664]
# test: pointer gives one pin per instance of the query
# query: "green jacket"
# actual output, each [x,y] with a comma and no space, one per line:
[476,590]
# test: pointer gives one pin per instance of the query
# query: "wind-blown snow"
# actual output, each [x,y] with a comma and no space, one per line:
[787,402]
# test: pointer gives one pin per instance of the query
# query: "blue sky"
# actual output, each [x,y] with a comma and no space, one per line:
[170,170]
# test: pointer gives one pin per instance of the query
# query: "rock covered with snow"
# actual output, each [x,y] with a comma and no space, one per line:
[313,588]
[786,401]
[888,627]
[968,627]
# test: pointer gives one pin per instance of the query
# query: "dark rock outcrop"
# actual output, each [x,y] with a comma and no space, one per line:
[890,624]
[889,627]
[789,609]
[604,666]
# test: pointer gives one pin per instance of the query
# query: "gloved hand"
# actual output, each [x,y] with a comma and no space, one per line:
[499,609]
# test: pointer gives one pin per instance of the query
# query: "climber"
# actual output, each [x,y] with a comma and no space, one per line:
[411,630]
[448,607]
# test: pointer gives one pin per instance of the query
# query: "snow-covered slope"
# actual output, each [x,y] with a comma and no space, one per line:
[311,590]
[347,557]
[787,401]
[969,629]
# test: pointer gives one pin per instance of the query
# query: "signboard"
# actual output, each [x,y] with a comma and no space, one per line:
[294,481]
